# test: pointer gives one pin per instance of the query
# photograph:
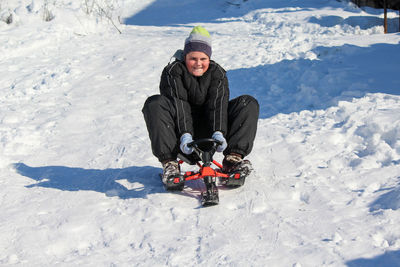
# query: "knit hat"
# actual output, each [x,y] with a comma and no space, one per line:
[199,40]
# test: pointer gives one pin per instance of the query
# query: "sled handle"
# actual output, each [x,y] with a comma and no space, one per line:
[197,142]
[205,156]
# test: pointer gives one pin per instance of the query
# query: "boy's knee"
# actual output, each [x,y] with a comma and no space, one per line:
[154,103]
[249,102]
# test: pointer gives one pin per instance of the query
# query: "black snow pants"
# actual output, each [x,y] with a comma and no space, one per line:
[160,116]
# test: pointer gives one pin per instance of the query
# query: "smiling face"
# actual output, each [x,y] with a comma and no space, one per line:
[197,63]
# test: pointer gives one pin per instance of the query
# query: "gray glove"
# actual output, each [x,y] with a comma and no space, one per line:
[219,137]
[185,140]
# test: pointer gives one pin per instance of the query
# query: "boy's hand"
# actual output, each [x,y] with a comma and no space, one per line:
[219,137]
[185,140]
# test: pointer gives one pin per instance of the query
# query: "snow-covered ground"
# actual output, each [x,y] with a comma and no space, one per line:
[79,185]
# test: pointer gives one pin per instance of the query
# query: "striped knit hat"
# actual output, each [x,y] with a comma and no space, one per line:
[199,40]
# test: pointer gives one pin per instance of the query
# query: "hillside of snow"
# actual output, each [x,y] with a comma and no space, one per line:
[79,185]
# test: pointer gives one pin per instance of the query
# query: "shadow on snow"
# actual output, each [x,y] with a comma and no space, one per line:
[339,73]
[141,181]
[388,259]
[388,200]
[172,12]
[125,183]
[364,22]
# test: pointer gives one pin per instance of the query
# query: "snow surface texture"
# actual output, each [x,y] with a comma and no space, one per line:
[79,185]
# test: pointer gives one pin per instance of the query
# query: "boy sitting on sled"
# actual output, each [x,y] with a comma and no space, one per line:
[194,103]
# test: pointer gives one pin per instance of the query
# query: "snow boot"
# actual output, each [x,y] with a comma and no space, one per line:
[171,177]
[237,169]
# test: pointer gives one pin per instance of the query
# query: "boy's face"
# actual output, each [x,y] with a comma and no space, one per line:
[197,63]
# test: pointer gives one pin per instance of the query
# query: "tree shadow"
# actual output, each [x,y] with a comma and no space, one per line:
[363,22]
[338,74]
[388,259]
[172,12]
[131,182]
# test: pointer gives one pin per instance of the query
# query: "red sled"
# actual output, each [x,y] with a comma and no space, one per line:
[204,150]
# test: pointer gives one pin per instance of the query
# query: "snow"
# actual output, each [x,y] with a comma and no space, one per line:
[79,185]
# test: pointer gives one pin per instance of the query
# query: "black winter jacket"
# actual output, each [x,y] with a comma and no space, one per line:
[209,92]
